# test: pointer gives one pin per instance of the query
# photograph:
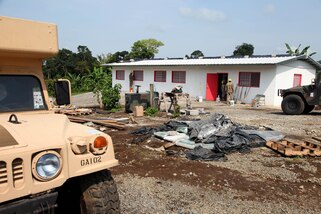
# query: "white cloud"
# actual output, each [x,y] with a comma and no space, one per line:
[269,9]
[203,14]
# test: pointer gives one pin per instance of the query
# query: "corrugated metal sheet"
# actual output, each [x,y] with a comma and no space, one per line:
[215,61]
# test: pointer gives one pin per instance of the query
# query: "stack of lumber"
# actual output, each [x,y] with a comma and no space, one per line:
[110,123]
[73,111]
[290,147]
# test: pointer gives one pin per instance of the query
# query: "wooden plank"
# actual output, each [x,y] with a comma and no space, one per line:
[317,138]
[121,120]
[167,145]
[312,141]
[107,124]
[269,144]
[293,141]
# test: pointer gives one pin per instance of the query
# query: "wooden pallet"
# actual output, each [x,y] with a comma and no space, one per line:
[290,147]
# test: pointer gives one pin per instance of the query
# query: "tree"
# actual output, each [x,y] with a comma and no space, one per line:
[116,57]
[243,50]
[297,52]
[196,54]
[103,58]
[60,65]
[85,62]
[119,56]
[67,62]
[145,48]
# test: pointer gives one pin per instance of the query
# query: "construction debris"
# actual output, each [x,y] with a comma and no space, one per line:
[144,133]
[107,123]
[74,111]
[172,98]
[290,147]
[217,134]
[200,153]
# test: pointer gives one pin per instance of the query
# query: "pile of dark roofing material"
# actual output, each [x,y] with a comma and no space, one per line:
[211,138]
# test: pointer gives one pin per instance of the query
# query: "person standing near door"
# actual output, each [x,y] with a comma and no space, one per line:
[229,88]
[223,90]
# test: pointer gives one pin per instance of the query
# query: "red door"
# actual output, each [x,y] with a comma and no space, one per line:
[211,86]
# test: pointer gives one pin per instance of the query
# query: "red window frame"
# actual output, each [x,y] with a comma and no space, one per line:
[249,79]
[297,79]
[138,75]
[181,77]
[159,76]
[120,75]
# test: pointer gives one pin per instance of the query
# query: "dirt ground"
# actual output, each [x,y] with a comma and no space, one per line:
[259,181]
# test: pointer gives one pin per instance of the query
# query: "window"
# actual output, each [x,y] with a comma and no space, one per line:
[178,76]
[138,76]
[160,76]
[249,79]
[297,80]
[120,75]
[21,93]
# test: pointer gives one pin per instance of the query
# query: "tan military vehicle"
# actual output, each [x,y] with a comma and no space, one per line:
[47,163]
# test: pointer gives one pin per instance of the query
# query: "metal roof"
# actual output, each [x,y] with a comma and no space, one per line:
[257,60]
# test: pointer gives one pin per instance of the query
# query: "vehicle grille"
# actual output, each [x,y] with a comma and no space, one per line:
[3,176]
[17,172]
[3,173]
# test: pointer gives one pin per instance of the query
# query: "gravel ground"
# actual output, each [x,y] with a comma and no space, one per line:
[158,196]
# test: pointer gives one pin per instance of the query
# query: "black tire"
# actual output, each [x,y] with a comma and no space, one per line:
[308,108]
[292,104]
[99,193]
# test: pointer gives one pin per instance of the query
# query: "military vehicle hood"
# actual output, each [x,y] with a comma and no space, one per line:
[33,130]
[305,89]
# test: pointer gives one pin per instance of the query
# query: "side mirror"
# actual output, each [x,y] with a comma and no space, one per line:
[63,92]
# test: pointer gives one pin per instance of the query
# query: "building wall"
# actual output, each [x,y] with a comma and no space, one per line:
[196,79]
[285,74]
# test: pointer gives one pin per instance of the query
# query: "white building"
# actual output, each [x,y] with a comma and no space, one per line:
[203,77]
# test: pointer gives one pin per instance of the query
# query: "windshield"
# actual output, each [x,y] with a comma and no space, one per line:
[20,93]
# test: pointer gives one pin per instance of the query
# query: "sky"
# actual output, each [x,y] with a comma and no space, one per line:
[214,27]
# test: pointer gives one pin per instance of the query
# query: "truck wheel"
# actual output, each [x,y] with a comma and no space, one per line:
[308,108]
[292,104]
[99,193]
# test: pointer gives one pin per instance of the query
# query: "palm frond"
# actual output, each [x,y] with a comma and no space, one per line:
[289,51]
[305,50]
[297,51]
[311,54]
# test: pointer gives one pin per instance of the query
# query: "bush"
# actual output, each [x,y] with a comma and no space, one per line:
[110,96]
[150,111]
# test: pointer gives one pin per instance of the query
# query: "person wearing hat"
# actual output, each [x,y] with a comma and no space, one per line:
[229,90]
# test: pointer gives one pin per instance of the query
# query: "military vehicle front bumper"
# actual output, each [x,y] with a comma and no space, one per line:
[38,204]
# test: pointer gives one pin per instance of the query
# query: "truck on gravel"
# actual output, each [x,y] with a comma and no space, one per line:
[47,163]
[302,99]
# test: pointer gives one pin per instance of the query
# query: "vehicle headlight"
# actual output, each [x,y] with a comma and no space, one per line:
[46,165]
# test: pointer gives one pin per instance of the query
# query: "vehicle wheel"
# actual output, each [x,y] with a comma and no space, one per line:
[308,108]
[292,104]
[99,193]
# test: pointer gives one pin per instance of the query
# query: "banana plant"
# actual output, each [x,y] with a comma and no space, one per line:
[297,51]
